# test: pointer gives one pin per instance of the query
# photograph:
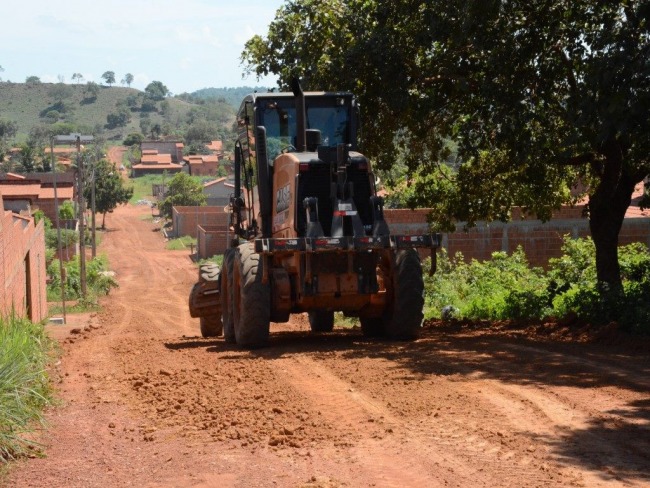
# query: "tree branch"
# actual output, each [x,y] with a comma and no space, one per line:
[587,158]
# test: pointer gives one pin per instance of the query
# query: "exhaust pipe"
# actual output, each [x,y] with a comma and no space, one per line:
[301,118]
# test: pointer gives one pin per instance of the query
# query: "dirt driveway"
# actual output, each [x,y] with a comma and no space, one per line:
[146,402]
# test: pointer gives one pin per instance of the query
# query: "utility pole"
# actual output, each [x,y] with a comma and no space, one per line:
[78,139]
[58,229]
[92,204]
[82,227]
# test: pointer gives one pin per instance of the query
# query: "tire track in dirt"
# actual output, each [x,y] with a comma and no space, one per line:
[421,449]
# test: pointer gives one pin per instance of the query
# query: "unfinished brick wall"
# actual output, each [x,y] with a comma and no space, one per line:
[185,220]
[211,240]
[22,267]
[540,241]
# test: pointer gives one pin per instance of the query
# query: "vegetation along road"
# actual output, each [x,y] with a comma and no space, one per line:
[145,401]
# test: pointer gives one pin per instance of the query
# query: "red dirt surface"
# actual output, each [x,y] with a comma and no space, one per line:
[145,401]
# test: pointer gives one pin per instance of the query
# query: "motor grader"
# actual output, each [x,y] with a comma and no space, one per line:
[308,229]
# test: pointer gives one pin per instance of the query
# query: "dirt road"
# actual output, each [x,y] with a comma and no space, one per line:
[146,402]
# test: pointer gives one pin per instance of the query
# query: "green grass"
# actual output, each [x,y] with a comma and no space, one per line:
[80,306]
[181,243]
[217,258]
[25,352]
[341,320]
[142,187]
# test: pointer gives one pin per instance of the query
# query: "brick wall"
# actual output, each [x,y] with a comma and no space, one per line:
[211,240]
[185,220]
[22,267]
[540,241]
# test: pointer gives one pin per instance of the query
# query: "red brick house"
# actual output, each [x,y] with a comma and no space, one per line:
[27,194]
[153,162]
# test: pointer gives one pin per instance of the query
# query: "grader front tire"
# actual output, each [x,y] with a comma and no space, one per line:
[251,299]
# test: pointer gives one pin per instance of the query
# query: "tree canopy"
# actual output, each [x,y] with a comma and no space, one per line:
[128,79]
[109,77]
[491,104]
[109,189]
[156,90]
[183,190]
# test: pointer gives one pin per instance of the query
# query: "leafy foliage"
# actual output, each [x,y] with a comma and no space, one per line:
[109,77]
[109,189]
[535,96]
[98,280]
[504,287]
[183,190]
[507,288]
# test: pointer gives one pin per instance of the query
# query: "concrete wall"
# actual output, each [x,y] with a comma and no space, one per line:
[22,267]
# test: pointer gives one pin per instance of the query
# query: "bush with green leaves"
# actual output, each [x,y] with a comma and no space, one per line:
[98,281]
[503,287]
[25,352]
[506,287]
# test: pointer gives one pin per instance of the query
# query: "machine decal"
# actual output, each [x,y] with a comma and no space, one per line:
[279,220]
[283,198]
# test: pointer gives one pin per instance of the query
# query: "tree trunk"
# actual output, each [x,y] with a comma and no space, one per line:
[104,221]
[607,207]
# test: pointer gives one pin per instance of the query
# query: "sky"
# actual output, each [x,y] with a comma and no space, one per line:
[185,44]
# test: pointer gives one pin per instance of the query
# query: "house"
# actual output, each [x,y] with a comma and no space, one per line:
[153,162]
[218,192]
[216,147]
[173,148]
[202,165]
[35,191]
[22,266]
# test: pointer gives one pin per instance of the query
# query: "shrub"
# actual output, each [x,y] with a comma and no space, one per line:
[487,290]
[98,280]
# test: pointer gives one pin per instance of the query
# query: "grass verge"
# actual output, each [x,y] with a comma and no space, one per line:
[25,352]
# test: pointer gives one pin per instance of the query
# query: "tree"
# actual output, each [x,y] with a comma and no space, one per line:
[145,123]
[133,139]
[156,90]
[533,96]
[2,70]
[118,119]
[8,129]
[109,189]
[201,131]
[156,130]
[183,190]
[92,90]
[109,77]
[66,210]
[128,79]
[28,157]
[77,77]
[32,80]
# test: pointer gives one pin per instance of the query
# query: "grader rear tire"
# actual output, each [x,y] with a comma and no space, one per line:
[211,326]
[402,319]
[251,299]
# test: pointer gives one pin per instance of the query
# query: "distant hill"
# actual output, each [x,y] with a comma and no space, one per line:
[232,96]
[42,104]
